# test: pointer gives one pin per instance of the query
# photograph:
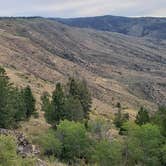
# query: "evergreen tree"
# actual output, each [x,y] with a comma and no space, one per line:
[15,105]
[120,117]
[6,114]
[159,118]
[73,109]
[29,101]
[58,99]
[78,89]
[142,116]
[18,105]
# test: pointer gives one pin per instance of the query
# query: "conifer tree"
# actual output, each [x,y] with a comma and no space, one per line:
[12,107]
[58,99]
[78,89]
[29,101]
[142,116]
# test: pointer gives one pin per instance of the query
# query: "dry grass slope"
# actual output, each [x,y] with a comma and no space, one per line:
[119,68]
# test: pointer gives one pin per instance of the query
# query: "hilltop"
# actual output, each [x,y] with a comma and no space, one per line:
[149,27]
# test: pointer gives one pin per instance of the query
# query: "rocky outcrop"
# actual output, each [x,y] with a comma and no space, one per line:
[24,147]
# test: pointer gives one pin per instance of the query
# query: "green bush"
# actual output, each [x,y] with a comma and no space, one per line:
[50,145]
[8,155]
[159,119]
[106,153]
[143,144]
[74,139]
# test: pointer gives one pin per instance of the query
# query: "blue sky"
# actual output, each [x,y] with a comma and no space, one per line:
[80,8]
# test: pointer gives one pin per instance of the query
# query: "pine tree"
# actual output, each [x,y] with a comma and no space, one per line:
[12,108]
[78,89]
[58,99]
[29,101]
[142,116]
[73,109]
[6,115]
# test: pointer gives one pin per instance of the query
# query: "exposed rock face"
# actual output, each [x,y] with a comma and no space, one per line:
[24,147]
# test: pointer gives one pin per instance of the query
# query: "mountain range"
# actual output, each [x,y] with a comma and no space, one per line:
[122,59]
[139,27]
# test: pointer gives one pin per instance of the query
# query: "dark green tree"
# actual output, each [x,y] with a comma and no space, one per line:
[4,98]
[13,104]
[73,109]
[78,89]
[18,105]
[142,116]
[58,100]
[29,101]
[120,117]
[159,118]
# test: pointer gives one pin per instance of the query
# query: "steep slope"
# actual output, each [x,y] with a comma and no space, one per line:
[118,68]
[140,27]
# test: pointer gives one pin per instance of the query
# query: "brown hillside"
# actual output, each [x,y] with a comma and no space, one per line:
[118,68]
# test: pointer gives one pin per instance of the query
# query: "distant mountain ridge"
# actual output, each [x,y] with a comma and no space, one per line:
[152,27]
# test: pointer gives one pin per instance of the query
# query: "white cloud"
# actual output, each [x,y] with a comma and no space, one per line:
[77,8]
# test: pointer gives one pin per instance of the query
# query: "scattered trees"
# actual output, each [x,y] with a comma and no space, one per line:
[142,145]
[72,102]
[143,142]
[15,104]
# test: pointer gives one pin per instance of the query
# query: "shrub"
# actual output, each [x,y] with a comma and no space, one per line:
[143,144]
[74,139]
[50,145]
[99,128]
[8,155]
[107,153]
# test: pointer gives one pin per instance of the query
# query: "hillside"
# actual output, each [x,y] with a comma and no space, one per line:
[140,27]
[118,68]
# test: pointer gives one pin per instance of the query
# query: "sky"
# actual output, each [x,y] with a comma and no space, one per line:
[83,8]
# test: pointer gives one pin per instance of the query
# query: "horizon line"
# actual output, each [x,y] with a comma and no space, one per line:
[54,17]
